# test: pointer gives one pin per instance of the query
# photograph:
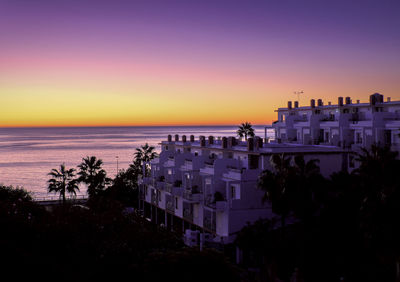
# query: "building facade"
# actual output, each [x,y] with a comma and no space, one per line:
[207,187]
[346,124]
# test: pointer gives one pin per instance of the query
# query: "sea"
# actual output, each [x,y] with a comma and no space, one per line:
[27,155]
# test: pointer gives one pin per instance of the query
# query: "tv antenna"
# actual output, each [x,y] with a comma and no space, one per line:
[298,93]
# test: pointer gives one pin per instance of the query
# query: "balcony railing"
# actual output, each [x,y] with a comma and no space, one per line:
[209,224]
[221,206]
[168,187]
[170,206]
[188,214]
[160,185]
[154,199]
[189,195]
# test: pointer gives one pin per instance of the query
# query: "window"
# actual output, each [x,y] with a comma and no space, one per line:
[169,171]
[196,153]
[176,203]
[253,161]
[235,192]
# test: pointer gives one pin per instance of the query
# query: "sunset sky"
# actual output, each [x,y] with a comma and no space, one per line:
[69,63]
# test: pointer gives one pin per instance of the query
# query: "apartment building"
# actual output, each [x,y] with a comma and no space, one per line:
[346,124]
[208,186]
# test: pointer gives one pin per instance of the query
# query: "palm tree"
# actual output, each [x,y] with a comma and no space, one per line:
[275,184]
[144,155]
[92,174]
[289,186]
[63,181]
[245,129]
[379,178]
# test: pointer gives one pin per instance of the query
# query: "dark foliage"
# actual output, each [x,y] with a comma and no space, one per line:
[343,227]
[75,243]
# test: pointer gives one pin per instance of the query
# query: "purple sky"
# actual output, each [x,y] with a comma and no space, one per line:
[270,47]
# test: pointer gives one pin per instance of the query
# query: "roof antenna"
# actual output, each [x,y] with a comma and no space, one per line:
[298,93]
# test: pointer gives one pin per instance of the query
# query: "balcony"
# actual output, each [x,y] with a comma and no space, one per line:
[168,188]
[160,185]
[169,178]
[208,169]
[187,166]
[177,191]
[194,197]
[188,214]
[242,174]
[221,206]
[154,199]
[209,224]
[147,180]
[170,206]
[170,162]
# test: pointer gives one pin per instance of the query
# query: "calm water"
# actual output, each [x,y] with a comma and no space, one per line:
[28,154]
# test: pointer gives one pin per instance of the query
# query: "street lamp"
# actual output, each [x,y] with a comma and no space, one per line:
[117,164]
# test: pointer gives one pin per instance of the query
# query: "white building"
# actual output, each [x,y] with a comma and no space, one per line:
[209,185]
[347,124]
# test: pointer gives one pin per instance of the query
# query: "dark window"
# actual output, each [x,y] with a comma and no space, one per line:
[253,161]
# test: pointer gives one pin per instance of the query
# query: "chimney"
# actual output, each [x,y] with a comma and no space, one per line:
[231,142]
[224,142]
[329,103]
[312,103]
[183,138]
[358,101]
[176,137]
[372,99]
[169,138]
[210,140]
[320,103]
[340,101]
[296,104]
[348,101]
[258,142]
[380,98]
[191,138]
[289,105]
[202,141]
[388,99]
[250,144]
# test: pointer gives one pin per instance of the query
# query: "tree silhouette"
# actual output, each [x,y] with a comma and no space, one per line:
[245,130]
[92,174]
[289,185]
[63,181]
[143,156]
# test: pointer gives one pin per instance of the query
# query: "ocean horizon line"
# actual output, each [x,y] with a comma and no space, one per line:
[126,126]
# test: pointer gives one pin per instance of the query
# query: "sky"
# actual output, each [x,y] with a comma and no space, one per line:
[120,63]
